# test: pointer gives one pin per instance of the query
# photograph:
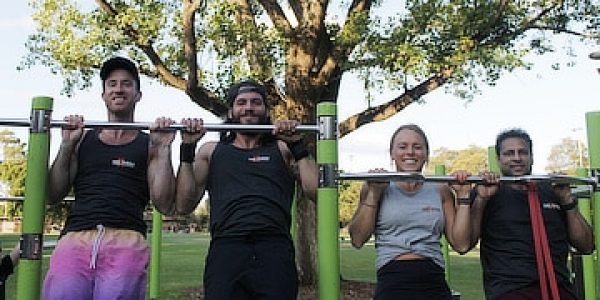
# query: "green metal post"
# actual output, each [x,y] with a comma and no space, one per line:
[328,248]
[155,256]
[30,266]
[441,170]
[493,160]
[589,276]
[593,135]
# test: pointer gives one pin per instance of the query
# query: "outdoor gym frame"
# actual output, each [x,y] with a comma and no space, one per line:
[29,275]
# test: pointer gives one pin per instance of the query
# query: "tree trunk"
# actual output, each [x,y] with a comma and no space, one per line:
[306,244]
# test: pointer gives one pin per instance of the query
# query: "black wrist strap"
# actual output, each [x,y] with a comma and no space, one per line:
[464,201]
[570,206]
[187,152]
[298,149]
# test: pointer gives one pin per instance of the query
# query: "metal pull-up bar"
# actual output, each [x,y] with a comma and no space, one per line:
[147,125]
[558,179]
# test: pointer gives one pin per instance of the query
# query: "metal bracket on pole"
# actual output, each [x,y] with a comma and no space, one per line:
[596,174]
[40,121]
[31,246]
[327,128]
[328,175]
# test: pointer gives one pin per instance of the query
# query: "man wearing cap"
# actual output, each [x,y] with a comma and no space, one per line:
[102,252]
[249,179]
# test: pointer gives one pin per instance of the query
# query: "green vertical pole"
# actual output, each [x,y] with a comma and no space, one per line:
[328,249]
[589,276]
[155,255]
[441,170]
[493,160]
[593,135]
[36,182]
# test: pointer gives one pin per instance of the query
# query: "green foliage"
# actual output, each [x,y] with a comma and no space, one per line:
[472,159]
[398,48]
[13,166]
[13,169]
[567,156]
[349,192]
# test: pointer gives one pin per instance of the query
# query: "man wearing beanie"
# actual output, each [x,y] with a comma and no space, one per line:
[250,185]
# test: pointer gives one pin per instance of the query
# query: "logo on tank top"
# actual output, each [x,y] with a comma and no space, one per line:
[430,209]
[259,158]
[553,206]
[123,163]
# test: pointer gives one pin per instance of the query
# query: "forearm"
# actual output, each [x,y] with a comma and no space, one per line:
[476,216]
[161,179]
[363,222]
[580,232]
[59,176]
[188,194]
[309,176]
[461,230]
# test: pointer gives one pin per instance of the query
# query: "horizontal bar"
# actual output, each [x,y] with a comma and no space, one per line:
[146,125]
[21,199]
[564,179]
[582,192]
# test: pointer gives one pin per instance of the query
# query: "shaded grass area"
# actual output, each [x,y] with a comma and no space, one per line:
[183,257]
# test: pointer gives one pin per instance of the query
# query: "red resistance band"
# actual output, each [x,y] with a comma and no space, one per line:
[543,256]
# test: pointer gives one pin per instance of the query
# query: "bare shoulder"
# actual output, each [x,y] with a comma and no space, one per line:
[207,149]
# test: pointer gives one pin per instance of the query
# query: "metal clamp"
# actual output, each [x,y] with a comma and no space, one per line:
[596,174]
[327,128]
[31,246]
[327,175]
[40,121]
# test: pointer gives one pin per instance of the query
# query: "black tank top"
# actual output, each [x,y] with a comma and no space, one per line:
[111,185]
[507,248]
[250,191]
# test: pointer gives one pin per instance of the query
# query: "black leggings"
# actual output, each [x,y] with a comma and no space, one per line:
[412,279]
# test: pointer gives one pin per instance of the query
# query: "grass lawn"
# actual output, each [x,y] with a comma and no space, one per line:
[183,266]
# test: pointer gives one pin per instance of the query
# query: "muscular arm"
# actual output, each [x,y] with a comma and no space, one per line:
[307,170]
[580,232]
[476,213]
[192,179]
[161,179]
[62,172]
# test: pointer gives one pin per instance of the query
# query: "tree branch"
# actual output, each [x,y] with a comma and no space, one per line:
[189,42]
[338,51]
[277,15]
[389,109]
[252,45]
[567,31]
[162,71]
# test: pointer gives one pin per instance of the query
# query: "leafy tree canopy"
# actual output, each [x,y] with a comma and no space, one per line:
[349,195]
[13,166]
[472,159]
[567,156]
[301,49]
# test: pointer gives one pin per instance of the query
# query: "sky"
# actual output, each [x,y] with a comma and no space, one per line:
[549,104]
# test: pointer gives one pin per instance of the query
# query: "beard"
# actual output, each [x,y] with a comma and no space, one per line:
[262,120]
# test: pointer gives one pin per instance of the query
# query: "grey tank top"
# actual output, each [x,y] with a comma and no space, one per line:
[409,222]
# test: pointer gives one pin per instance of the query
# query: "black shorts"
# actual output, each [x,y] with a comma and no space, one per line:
[412,279]
[251,268]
